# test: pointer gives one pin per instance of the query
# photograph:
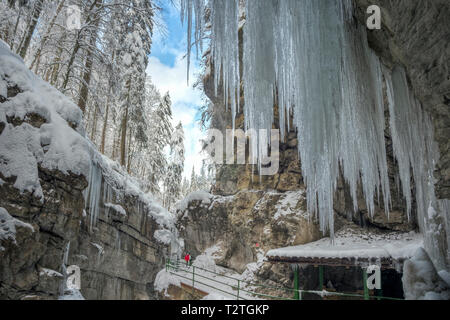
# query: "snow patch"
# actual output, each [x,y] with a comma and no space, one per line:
[207,259]
[71,294]
[288,203]
[215,296]
[202,196]
[421,281]
[8,226]
[50,273]
[163,280]
[116,207]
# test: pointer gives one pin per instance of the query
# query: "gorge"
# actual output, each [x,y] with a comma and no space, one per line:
[363,117]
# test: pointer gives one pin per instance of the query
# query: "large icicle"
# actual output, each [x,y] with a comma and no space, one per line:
[193,12]
[319,64]
[92,194]
[416,154]
[224,31]
[310,58]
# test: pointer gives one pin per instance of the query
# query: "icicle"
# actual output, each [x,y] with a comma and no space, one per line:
[92,194]
[193,10]
[310,58]
[63,285]
[416,154]
[225,52]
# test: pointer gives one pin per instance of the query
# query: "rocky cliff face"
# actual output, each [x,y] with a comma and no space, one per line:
[120,257]
[245,225]
[118,240]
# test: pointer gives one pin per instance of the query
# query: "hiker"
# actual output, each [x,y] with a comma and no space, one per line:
[187,258]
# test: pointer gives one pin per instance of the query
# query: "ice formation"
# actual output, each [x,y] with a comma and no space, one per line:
[313,61]
[108,183]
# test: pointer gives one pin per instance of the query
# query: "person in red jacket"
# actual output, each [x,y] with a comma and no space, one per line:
[187,258]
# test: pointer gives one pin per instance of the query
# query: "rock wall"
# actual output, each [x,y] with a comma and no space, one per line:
[246,225]
[119,258]
[119,245]
[55,221]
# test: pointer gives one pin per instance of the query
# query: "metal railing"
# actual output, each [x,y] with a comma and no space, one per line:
[242,286]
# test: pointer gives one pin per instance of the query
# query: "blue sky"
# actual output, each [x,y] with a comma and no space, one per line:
[168,70]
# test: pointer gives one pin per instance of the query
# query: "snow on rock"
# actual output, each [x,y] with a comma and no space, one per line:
[50,141]
[252,268]
[8,226]
[288,203]
[109,182]
[421,281]
[215,296]
[357,243]
[163,236]
[202,196]
[207,259]
[163,280]
[71,294]
[50,273]
[116,207]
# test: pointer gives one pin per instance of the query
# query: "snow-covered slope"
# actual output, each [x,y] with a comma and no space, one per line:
[41,131]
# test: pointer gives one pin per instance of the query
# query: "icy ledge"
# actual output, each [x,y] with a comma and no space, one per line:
[356,244]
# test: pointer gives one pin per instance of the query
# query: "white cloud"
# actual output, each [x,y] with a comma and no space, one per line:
[174,80]
[185,103]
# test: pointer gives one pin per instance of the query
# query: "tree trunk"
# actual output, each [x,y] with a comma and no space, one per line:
[56,67]
[32,26]
[84,90]
[11,44]
[94,124]
[37,56]
[129,153]
[76,47]
[123,138]
[105,124]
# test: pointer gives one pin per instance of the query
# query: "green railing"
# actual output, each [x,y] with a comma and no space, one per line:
[241,286]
